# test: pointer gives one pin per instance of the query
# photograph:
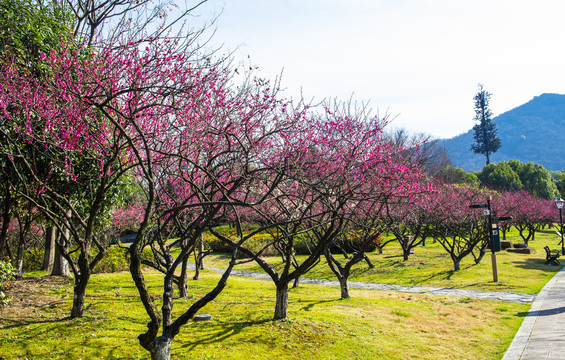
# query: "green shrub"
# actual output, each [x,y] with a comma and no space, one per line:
[218,246]
[301,245]
[255,244]
[33,259]
[116,259]
[261,242]
[7,272]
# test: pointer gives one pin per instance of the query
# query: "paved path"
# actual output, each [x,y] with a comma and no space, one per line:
[476,294]
[542,334]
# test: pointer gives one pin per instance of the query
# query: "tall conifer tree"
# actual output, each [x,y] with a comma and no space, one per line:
[485,134]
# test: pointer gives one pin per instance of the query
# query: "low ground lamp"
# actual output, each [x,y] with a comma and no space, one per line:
[559,203]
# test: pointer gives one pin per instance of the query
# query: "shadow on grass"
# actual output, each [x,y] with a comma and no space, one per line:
[217,333]
[370,271]
[548,231]
[442,275]
[396,258]
[11,324]
[538,264]
[45,328]
[315,303]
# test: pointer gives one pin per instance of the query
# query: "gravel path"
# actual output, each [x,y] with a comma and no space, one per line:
[475,294]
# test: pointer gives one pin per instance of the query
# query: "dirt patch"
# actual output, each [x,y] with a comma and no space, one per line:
[32,296]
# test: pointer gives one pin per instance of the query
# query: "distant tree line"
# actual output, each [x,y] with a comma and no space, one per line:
[510,175]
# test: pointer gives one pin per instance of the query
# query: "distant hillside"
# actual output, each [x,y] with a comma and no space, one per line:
[534,131]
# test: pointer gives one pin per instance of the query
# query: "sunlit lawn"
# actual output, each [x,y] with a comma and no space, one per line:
[372,325]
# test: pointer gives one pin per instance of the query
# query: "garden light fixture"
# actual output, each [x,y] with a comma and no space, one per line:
[559,203]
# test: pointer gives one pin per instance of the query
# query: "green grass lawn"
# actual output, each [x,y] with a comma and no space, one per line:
[432,266]
[371,325]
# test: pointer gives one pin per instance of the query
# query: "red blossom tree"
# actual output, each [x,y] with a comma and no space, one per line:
[60,149]
[529,213]
[338,166]
[197,146]
[456,227]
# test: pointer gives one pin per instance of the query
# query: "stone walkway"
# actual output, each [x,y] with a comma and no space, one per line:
[542,334]
[475,294]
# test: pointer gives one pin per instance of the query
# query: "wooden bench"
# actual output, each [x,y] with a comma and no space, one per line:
[551,256]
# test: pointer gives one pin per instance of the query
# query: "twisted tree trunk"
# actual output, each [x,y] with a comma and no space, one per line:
[79,295]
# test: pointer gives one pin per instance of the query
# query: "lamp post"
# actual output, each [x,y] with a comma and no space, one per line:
[559,203]
[493,235]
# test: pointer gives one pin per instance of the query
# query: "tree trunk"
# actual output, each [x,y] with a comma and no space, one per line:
[198,261]
[296,282]
[49,255]
[281,305]
[199,257]
[344,286]
[479,258]
[20,258]
[161,348]
[182,285]
[5,224]
[456,265]
[369,262]
[201,253]
[196,272]
[405,254]
[60,265]
[21,245]
[79,295]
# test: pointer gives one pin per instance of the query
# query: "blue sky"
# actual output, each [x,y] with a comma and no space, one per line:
[420,61]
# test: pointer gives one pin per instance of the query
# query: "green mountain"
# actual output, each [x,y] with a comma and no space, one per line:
[534,131]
